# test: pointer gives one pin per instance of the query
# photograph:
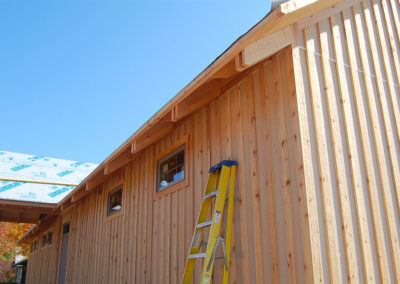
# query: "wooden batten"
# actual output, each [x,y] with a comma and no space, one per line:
[332,10]
[38,181]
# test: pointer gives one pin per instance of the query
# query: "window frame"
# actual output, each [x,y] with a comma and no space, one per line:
[45,239]
[108,194]
[165,154]
[159,162]
[34,246]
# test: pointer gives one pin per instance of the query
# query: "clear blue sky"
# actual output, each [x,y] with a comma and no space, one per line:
[77,78]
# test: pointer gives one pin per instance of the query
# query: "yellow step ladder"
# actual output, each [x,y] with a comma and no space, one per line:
[220,175]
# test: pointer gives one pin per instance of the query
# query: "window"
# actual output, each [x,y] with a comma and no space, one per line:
[66,228]
[171,168]
[34,245]
[114,201]
[47,239]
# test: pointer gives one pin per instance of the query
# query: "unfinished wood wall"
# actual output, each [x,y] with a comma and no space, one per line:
[43,263]
[347,80]
[255,122]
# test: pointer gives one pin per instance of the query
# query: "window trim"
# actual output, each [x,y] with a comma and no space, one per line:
[183,142]
[63,227]
[108,192]
[35,244]
[171,154]
[45,239]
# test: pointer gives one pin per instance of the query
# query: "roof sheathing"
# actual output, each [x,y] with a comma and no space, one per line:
[284,15]
[33,178]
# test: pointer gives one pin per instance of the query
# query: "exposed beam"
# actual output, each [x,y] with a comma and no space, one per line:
[228,71]
[28,203]
[78,195]
[41,226]
[38,181]
[31,220]
[66,204]
[95,181]
[27,209]
[155,132]
[239,65]
[266,46]
[199,98]
[122,159]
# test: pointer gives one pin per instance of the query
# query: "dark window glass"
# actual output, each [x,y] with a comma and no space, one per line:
[171,168]
[34,245]
[114,201]
[44,240]
[49,238]
[66,228]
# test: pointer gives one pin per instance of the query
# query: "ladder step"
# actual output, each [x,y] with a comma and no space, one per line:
[204,224]
[197,255]
[211,194]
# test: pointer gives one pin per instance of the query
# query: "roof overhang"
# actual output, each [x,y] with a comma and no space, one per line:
[203,89]
[25,212]
[32,185]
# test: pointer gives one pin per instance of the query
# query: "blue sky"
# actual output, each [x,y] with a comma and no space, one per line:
[77,78]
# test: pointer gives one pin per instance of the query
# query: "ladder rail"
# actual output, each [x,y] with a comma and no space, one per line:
[221,175]
[216,225]
[228,237]
[197,236]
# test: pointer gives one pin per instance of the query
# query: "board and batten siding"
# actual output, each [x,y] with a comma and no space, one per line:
[347,70]
[255,122]
[43,262]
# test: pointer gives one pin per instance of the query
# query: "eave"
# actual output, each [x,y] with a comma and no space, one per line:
[203,89]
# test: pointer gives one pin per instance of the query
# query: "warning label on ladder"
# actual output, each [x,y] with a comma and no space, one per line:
[217,217]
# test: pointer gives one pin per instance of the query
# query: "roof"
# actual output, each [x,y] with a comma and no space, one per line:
[39,179]
[199,92]
[31,186]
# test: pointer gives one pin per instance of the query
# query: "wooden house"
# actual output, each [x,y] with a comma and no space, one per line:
[308,103]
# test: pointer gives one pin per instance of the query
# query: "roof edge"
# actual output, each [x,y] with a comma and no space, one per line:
[282,16]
